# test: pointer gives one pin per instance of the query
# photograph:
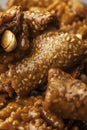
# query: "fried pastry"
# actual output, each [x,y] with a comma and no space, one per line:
[66,96]
[26,4]
[79,27]
[21,24]
[10,19]
[13,20]
[47,50]
[38,19]
[68,11]
[14,37]
[18,22]
[26,114]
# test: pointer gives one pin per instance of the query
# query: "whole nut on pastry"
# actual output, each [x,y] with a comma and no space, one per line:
[8,41]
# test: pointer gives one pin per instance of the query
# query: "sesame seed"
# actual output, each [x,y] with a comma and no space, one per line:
[21,128]
[40,81]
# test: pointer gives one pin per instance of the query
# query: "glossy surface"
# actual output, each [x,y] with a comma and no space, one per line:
[48,50]
[66,96]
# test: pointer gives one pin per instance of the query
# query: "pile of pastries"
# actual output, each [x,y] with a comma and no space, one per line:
[43,65]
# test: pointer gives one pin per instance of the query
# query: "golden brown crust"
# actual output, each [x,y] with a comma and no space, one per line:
[26,114]
[38,19]
[79,27]
[10,19]
[26,4]
[48,50]
[63,49]
[22,24]
[66,96]
[68,11]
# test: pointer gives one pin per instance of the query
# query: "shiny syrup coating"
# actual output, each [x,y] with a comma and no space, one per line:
[12,20]
[38,18]
[25,114]
[26,4]
[48,50]
[66,96]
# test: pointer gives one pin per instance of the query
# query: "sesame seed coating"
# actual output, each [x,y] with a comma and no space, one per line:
[26,4]
[10,19]
[41,40]
[38,18]
[48,50]
[66,96]
[70,11]
[21,49]
[79,27]
[26,114]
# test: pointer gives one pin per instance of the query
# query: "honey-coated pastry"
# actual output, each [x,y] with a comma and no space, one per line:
[14,37]
[20,24]
[38,19]
[66,96]
[61,5]
[26,4]
[79,27]
[68,11]
[13,21]
[26,114]
[10,19]
[48,50]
